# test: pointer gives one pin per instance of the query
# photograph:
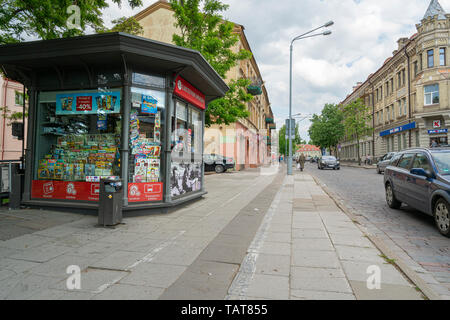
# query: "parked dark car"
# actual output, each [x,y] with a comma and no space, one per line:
[328,162]
[217,163]
[421,178]
[384,162]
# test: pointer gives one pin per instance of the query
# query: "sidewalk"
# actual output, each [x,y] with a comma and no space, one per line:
[307,248]
[253,236]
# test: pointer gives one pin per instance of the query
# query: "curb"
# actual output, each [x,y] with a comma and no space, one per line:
[428,292]
[356,166]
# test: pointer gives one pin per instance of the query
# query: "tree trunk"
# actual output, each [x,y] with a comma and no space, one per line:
[359,156]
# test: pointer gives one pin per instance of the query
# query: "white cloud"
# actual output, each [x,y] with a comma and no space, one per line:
[325,68]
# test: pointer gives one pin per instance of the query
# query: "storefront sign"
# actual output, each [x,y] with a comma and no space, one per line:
[436,124]
[192,95]
[406,127]
[436,131]
[143,192]
[88,103]
[65,190]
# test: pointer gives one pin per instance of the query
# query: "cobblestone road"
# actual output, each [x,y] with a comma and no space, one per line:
[414,232]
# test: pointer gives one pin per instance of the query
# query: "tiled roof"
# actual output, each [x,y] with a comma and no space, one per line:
[308,147]
[435,8]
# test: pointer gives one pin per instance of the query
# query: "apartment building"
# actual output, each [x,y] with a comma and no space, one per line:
[11,96]
[247,140]
[409,95]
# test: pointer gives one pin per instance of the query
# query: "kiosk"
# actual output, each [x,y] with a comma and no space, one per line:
[112,106]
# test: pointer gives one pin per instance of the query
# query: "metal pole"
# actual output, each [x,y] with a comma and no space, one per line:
[289,162]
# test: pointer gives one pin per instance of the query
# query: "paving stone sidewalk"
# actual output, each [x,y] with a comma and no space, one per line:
[307,248]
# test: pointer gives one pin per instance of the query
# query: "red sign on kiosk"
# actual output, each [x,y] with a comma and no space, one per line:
[192,95]
[143,192]
[84,103]
[65,190]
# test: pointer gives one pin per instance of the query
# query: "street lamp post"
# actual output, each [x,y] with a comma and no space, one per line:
[303,36]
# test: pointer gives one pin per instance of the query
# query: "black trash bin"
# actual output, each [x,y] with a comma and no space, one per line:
[110,202]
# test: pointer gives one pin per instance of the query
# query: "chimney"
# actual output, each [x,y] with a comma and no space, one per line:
[358,84]
[402,42]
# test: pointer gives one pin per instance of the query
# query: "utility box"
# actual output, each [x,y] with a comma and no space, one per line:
[110,202]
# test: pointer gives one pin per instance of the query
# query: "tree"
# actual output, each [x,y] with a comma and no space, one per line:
[128,25]
[357,119]
[203,28]
[51,19]
[327,129]
[283,143]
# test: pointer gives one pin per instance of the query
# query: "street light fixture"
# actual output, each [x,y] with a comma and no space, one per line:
[302,36]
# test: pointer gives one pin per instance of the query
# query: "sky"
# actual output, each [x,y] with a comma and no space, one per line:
[325,68]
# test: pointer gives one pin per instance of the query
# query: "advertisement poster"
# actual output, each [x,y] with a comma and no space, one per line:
[88,103]
[149,105]
[142,192]
[65,190]
[185,178]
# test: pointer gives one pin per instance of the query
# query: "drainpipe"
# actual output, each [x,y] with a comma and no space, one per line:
[409,90]
[4,117]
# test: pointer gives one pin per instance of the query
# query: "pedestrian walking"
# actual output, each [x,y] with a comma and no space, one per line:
[301,161]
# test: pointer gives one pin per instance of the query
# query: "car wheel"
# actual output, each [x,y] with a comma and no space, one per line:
[378,170]
[442,217]
[219,168]
[390,198]
[339,168]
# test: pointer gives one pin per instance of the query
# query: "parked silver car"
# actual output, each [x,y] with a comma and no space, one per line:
[384,162]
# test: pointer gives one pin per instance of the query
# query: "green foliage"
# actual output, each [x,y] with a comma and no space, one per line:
[47,19]
[127,25]
[203,28]
[283,143]
[219,110]
[357,119]
[327,129]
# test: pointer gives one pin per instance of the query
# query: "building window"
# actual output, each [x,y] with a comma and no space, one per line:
[399,80]
[431,94]
[416,68]
[403,78]
[399,108]
[19,98]
[442,57]
[387,114]
[392,85]
[430,54]
[393,112]
[421,62]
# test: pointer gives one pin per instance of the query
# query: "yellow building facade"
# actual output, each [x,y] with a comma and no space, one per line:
[409,95]
[247,141]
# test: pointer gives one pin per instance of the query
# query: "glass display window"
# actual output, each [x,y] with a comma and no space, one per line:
[77,141]
[146,128]
[187,160]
